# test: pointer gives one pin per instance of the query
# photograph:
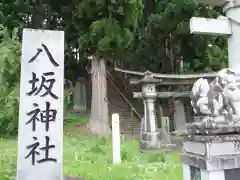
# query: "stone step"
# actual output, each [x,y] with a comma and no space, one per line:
[131,132]
[118,101]
[120,111]
[119,108]
[119,98]
[131,129]
[126,127]
[115,107]
[126,121]
[123,117]
[122,114]
[114,93]
[116,96]
[119,105]
[131,124]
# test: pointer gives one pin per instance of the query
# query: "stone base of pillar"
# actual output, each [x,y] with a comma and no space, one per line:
[149,141]
[79,109]
[152,141]
[211,157]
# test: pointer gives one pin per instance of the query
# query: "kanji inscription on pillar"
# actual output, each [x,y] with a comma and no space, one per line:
[40,132]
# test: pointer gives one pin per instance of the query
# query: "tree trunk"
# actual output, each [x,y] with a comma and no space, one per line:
[37,18]
[99,120]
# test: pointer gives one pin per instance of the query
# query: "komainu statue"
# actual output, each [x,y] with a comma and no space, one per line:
[218,100]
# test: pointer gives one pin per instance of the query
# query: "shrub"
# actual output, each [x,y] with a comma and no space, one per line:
[9,81]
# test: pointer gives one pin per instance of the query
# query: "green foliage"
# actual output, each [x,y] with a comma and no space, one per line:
[103,141]
[216,57]
[68,94]
[164,39]
[97,149]
[108,32]
[9,82]
[106,26]
[124,155]
[113,28]
[157,157]
[70,120]
[80,161]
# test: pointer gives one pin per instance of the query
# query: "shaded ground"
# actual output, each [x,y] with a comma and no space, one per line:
[77,129]
[77,125]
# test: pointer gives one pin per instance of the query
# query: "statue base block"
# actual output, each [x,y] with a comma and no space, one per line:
[214,126]
[153,141]
[213,157]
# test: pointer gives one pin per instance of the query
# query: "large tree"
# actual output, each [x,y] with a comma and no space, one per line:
[105,28]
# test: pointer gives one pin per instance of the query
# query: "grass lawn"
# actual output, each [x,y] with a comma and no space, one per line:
[90,157]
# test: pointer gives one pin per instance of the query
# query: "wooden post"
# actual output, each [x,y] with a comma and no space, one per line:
[116,139]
